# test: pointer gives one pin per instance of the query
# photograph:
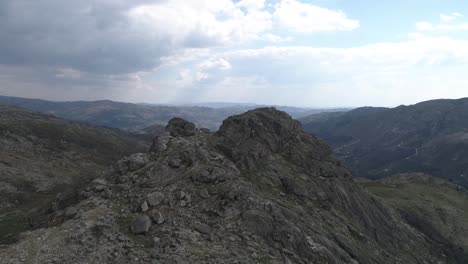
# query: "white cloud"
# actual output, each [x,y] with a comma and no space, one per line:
[450,18]
[447,23]
[275,38]
[215,63]
[385,74]
[307,18]
[198,23]
[251,4]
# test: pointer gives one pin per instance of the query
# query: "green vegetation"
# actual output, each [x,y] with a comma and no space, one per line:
[435,208]
[45,160]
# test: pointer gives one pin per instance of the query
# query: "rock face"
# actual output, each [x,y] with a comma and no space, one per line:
[260,190]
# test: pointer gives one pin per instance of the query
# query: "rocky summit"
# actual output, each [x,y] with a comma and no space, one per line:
[260,190]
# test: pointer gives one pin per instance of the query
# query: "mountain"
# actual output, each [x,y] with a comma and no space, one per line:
[43,159]
[429,137]
[259,190]
[138,117]
[435,207]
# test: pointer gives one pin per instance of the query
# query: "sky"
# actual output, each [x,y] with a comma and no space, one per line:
[313,53]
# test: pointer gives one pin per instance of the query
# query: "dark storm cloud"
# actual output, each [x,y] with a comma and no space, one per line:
[91,36]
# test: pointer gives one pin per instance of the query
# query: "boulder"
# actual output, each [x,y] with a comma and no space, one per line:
[155,198]
[132,163]
[178,127]
[157,217]
[141,224]
[144,206]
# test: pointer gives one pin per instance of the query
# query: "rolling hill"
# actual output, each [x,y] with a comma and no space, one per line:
[138,117]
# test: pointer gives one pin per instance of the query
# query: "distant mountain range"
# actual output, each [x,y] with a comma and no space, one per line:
[138,117]
[430,137]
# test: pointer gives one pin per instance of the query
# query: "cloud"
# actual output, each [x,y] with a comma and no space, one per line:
[117,37]
[389,73]
[383,73]
[450,18]
[306,18]
[446,23]
[121,36]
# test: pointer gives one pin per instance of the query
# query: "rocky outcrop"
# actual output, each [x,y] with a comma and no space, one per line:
[259,190]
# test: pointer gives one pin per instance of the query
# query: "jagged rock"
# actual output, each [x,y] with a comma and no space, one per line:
[141,224]
[258,222]
[132,163]
[144,206]
[188,198]
[178,127]
[239,174]
[204,193]
[155,199]
[180,195]
[205,176]
[70,213]
[157,217]
[202,228]
[291,186]
[160,142]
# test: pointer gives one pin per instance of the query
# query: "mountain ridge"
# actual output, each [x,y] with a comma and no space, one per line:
[427,137]
[137,117]
[260,190]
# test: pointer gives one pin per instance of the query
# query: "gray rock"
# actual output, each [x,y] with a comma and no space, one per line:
[156,242]
[205,176]
[144,206]
[160,142]
[174,163]
[157,217]
[133,162]
[155,199]
[258,222]
[179,127]
[202,228]
[188,198]
[70,213]
[204,193]
[293,187]
[141,224]
[180,195]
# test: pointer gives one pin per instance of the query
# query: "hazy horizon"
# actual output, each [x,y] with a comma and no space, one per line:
[226,104]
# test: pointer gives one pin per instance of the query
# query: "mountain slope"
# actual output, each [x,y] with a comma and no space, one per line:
[260,190]
[433,206]
[430,137]
[43,159]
